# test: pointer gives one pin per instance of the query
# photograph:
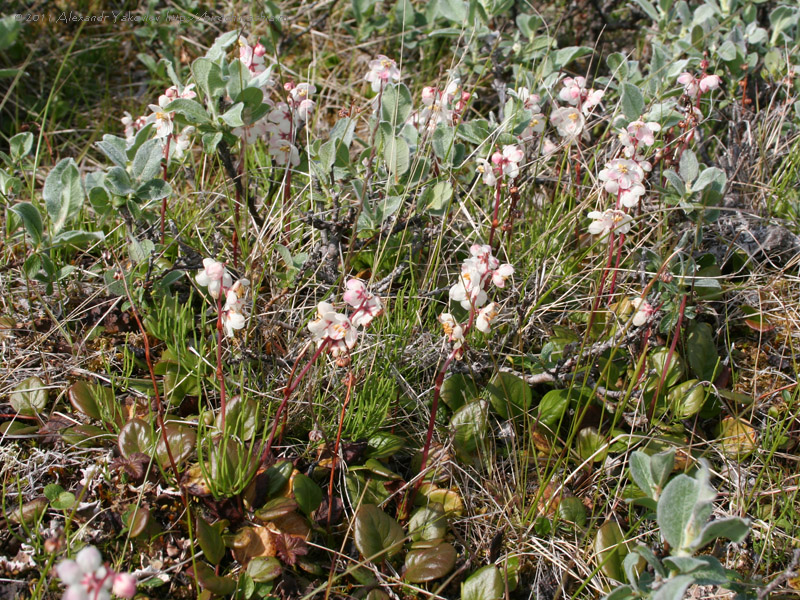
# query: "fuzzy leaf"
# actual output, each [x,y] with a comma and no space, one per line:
[31,219]
[29,396]
[62,193]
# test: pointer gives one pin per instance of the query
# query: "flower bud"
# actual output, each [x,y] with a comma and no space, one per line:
[124,585]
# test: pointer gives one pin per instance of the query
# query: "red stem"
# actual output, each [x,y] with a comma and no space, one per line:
[674,343]
[336,444]
[495,222]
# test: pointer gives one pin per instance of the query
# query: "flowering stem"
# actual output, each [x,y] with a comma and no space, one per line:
[602,279]
[620,240]
[220,374]
[350,379]
[651,411]
[437,391]
[164,199]
[291,385]
[495,222]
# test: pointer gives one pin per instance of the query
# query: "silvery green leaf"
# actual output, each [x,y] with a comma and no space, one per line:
[484,584]
[395,104]
[193,111]
[115,149]
[688,166]
[661,466]
[77,239]
[641,474]
[632,101]
[217,49]
[147,162]
[684,509]
[673,588]
[453,10]
[711,175]
[31,219]
[731,528]
[233,116]
[118,182]
[618,65]
[397,156]
[20,145]
[443,137]
[63,194]
[29,397]
[152,190]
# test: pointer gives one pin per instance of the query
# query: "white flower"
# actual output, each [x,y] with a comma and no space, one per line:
[575,93]
[252,57]
[130,128]
[214,276]
[569,122]
[183,142]
[485,317]
[468,290]
[609,220]
[502,273]
[367,305]
[709,82]
[283,152]
[334,328]
[643,311]
[88,579]
[124,585]
[486,171]
[452,329]
[529,101]
[508,161]
[162,119]
[232,317]
[381,70]
[639,131]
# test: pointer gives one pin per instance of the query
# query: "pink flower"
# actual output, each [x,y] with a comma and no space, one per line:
[283,152]
[485,317]
[367,305]
[381,70]
[575,92]
[643,311]
[639,131]
[252,58]
[124,585]
[501,274]
[88,579]
[508,161]
[214,276]
[609,220]
[529,101]
[569,122]
[162,119]
[452,329]
[709,82]
[333,328]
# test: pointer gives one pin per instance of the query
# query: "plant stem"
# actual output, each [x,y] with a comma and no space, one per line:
[291,385]
[336,444]
[164,199]
[651,411]
[220,374]
[495,222]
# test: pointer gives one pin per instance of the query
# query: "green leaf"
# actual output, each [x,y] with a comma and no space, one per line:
[618,65]
[673,588]
[208,77]
[233,116]
[428,523]
[377,535]
[649,10]
[383,445]
[153,190]
[632,101]
[469,424]
[263,569]
[115,149]
[684,509]
[147,162]
[278,476]
[710,176]
[118,182]
[484,584]
[731,528]
[395,104]
[552,407]
[62,193]
[20,145]
[610,550]
[661,466]
[442,141]
[210,540]
[279,507]
[701,351]
[453,10]
[140,252]
[591,445]
[31,219]
[564,56]
[193,111]
[208,580]
[52,491]
[29,396]
[397,156]
[427,564]
[641,474]
[307,493]
[510,395]
[457,390]
[688,166]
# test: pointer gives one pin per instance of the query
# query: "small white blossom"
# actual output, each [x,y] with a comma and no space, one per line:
[609,220]
[381,71]
[162,119]
[643,311]
[214,276]
[333,328]
[485,317]
[486,171]
[569,122]
[452,329]
[367,305]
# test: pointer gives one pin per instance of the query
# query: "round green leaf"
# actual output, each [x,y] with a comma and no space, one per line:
[29,396]
[428,523]
[510,395]
[484,584]
[377,535]
[307,493]
[430,563]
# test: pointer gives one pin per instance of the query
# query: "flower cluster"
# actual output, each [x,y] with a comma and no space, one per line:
[503,164]
[441,106]
[382,70]
[339,331]
[252,57]
[624,178]
[478,272]
[530,102]
[694,86]
[570,121]
[218,280]
[88,579]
